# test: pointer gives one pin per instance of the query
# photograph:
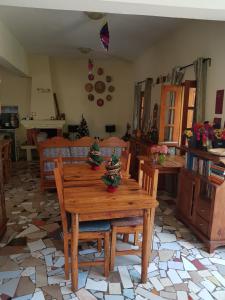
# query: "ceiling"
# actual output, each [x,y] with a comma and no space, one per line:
[58,32]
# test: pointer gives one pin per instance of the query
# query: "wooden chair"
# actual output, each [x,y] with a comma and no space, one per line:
[113,143]
[6,159]
[95,230]
[125,162]
[148,180]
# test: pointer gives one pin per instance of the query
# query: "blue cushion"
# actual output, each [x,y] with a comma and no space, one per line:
[91,226]
[94,226]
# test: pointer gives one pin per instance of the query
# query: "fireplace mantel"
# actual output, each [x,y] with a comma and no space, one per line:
[38,124]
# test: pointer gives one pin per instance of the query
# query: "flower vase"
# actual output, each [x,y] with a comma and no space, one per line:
[154,158]
[161,158]
[111,189]
[95,167]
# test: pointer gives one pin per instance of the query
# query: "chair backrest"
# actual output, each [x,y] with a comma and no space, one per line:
[59,165]
[108,145]
[59,187]
[125,162]
[148,179]
[6,150]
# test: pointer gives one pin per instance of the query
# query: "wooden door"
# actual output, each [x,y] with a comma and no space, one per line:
[170,114]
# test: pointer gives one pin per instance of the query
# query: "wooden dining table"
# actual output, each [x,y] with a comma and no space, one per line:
[82,171]
[93,202]
[83,175]
[171,165]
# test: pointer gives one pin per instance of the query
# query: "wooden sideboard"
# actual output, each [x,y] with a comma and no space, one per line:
[3,219]
[200,202]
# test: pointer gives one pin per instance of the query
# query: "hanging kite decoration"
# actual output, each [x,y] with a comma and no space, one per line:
[104,36]
[90,69]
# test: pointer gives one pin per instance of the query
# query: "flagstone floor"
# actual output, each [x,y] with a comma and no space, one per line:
[31,255]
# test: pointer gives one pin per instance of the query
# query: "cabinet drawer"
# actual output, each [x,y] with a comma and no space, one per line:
[202,225]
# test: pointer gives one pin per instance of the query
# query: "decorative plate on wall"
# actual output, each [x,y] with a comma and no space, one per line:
[91,77]
[100,71]
[100,102]
[108,97]
[108,78]
[100,87]
[88,87]
[111,89]
[91,97]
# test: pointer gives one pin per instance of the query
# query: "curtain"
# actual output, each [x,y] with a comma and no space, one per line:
[147,105]
[177,75]
[137,100]
[200,67]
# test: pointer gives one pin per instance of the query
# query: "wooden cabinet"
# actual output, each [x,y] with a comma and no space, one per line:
[201,205]
[3,219]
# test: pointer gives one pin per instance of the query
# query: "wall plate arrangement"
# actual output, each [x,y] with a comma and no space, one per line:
[89,87]
[91,97]
[100,71]
[100,87]
[108,78]
[91,77]
[100,102]
[108,97]
[111,89]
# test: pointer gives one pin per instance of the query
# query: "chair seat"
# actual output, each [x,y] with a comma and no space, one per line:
[94,226]
[135,221]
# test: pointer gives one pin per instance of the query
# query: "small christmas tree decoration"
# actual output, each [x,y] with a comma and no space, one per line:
[94,157]
[83,128]
[112,177]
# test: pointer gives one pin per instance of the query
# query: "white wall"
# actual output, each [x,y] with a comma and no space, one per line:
[12,54]
[15,90]
[41,102]
[69,77]
[182,47]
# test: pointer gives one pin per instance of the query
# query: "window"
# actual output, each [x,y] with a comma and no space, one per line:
[170,114]
[188,105]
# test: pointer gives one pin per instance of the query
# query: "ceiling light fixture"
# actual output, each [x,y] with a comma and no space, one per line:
[84,50]
[94,15]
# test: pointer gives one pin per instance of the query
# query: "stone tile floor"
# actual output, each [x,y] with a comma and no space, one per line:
[31,255]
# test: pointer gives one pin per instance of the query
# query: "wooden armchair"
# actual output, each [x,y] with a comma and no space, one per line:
[148,180]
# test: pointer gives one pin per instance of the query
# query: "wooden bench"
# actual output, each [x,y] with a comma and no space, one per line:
[72,152]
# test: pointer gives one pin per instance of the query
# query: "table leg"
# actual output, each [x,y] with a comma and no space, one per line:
[74,251]
[145,245]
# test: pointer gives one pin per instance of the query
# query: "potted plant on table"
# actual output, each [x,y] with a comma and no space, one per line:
[204,135]
[159,153]
[94,157]
[188,134]
[112,177]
